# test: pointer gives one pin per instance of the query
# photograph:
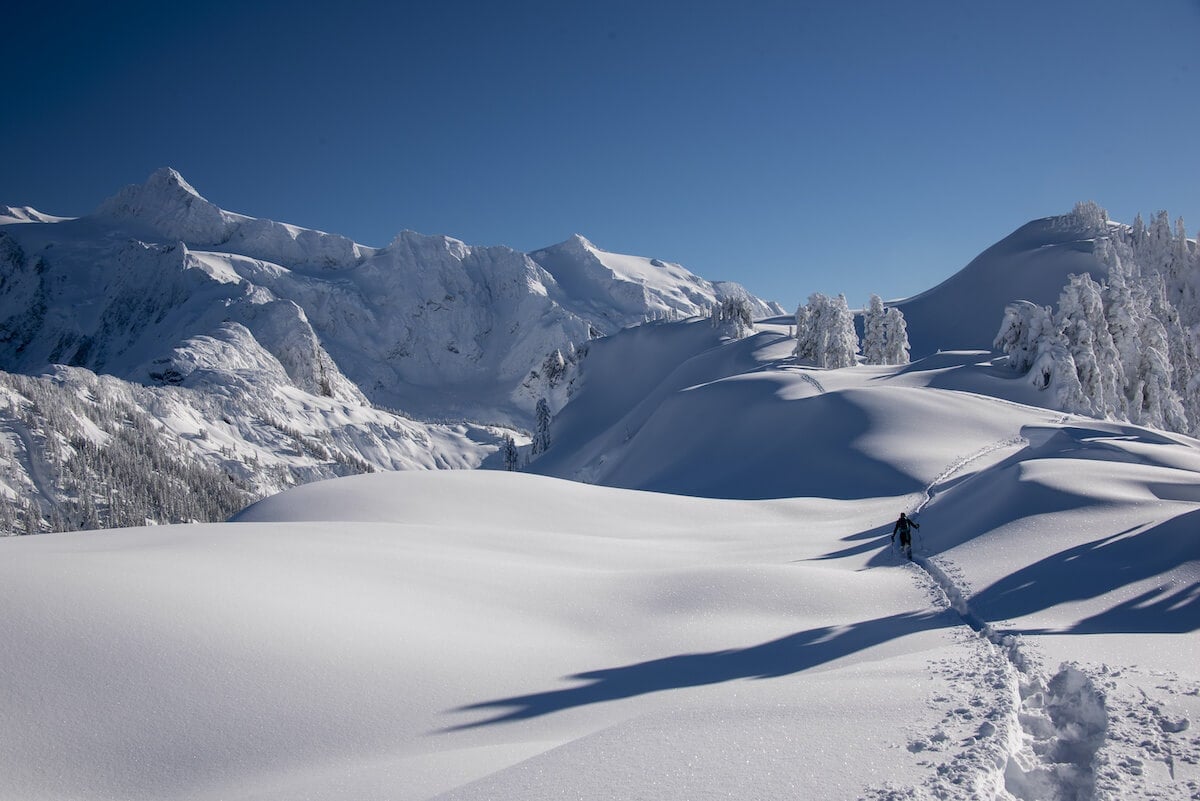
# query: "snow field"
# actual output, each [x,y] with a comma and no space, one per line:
[398,657]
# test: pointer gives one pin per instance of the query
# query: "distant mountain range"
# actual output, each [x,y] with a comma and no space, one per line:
[288,346]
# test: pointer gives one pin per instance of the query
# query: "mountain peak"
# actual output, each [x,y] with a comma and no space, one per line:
[171,206]
[170,179]
[575,243]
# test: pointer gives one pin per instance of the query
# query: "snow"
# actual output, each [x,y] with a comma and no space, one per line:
[427,324]
[598,279]
[26,214]
[691,594]
[1032,263]
[482,634]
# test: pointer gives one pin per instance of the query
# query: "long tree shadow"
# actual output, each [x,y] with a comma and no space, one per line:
[773,659]
[1106,564]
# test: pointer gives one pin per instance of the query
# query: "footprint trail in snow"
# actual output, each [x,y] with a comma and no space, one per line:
[1034,736]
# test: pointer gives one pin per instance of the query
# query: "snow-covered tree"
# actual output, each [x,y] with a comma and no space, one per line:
[1159,245]
[1080,319]
[735,314]
[1054,369]
[1090,217]
[825,332]
[841,340]
[1153,401]
[806,341]
[541,432]
[1137,236]
[553,367]
[1123,312]
[1024,325]
[885,334]
[875,339]
[1133,354]
[897,338]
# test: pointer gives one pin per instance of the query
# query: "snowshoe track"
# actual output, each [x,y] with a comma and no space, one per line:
[1052,727]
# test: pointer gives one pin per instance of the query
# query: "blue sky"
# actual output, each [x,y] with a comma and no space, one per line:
[795,147]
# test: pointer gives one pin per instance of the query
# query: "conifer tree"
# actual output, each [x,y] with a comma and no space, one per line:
[508,449]
[875,333]
[541,434]
[897,338]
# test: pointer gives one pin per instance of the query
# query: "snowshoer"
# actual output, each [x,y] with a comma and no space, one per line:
[904,526]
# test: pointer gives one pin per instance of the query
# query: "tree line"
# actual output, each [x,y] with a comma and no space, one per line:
[1126,347]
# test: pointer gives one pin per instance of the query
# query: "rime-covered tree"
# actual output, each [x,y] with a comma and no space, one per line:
[735,314]
[1024,325]
[897,338]
[1123,311]
[1054,368]
[837,341]
[1152,401]
[825,332]
[1159,245]
[1137,236]
[885,334]
[806,342]
[1080,319]
[1090,217]
[875,334]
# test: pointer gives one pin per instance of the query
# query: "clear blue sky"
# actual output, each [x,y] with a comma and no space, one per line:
[829,146]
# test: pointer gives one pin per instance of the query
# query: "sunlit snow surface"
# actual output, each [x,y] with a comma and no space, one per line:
[487,635]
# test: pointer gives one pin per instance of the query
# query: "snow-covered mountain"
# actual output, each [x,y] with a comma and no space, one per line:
[427,324]
[278,325]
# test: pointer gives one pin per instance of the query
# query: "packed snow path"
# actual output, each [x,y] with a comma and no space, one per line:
[1053,726]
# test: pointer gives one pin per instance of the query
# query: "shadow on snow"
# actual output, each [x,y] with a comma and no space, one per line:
[1106,564]
[776,658]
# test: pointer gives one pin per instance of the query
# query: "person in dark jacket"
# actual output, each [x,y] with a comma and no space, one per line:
[904,528]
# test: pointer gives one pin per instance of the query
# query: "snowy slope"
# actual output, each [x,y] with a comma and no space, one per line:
[12,214]
[1032,263]
[80,450]
[482,634]
[623,288]
[695,655]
